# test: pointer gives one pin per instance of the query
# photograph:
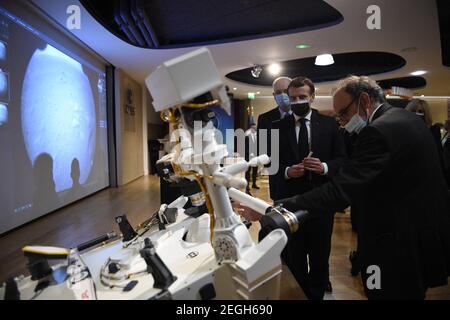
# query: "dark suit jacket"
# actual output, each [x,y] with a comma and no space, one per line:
[436,133]
[327,144]
[446,160]
[394,177]
[265,121]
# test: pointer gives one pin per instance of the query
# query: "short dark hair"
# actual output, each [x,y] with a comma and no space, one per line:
[301,82]
[447,125]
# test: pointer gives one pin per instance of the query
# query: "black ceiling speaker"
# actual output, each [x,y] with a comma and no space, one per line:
[161,24]
[443,7]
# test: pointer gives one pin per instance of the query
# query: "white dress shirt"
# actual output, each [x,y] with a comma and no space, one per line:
[374,111]
[297,130]
[445,138]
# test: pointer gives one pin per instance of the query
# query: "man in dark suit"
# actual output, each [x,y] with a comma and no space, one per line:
[394,178]
[312,151]
[251,151]
[265,121]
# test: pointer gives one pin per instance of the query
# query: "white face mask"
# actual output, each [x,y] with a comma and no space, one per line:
[356,123]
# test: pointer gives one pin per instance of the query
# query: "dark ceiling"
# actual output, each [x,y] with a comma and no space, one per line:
[356,63]
[444,26]
[413,82]
[160,24]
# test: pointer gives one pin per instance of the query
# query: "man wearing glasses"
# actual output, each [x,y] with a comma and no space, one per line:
[394,178]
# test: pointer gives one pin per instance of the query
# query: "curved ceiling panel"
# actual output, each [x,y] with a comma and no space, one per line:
[404,82]
[357,63]
[160,24]
[444,28]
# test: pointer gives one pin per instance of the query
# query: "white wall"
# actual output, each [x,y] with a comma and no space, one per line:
[129,134]
[145,98]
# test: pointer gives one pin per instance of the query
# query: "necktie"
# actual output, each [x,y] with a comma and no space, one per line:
[303,145]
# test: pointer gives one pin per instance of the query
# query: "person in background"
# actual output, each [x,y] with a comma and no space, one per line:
[251,151]
[422,109]
[266,120]
[445,142]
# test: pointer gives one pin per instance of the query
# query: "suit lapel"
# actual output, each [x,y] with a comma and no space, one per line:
[290,125]
[381,110]
[315,125]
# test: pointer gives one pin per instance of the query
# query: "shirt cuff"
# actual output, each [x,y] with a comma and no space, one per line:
[286,173]
[325,169]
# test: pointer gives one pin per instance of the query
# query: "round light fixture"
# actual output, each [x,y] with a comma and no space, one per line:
[274,69]
[324,60]
[418,73]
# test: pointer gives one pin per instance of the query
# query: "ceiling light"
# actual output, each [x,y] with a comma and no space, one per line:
[324,60]
[418,73]
[256,71]
[303,46]
[234,89]
[274,69]
[258,92]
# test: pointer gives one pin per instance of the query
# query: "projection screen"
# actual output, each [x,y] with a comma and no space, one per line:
[53,134]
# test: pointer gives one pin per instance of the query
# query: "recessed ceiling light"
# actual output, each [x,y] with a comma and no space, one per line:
[303,46]
[324,60]
[234,89]
[258,92]
[274,69]
[418,73]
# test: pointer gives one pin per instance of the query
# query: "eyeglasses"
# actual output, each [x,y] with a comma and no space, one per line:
[344,111]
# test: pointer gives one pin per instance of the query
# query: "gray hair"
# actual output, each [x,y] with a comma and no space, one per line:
[420,106]
[355,85]
[280,78]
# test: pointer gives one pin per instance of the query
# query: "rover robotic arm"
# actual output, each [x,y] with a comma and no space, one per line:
[183,90]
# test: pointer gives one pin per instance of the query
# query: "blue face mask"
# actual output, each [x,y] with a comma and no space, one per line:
[283,102]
